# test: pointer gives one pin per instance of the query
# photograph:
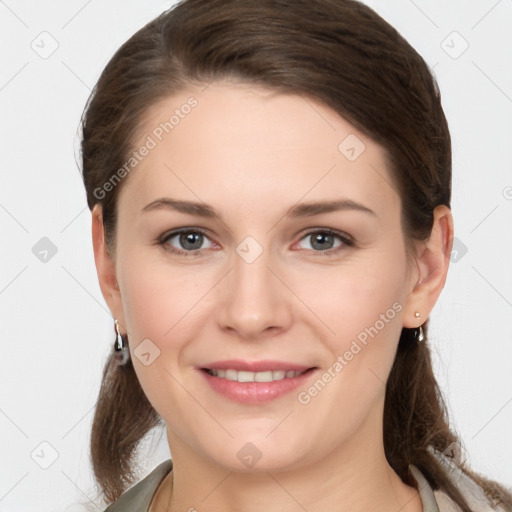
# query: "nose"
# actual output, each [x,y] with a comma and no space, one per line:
[255,302]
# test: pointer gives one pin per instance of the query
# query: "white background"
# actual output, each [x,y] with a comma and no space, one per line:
[55,329]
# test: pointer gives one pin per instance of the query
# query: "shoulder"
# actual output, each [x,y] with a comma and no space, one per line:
[472,492]
[139,496]
[439,501]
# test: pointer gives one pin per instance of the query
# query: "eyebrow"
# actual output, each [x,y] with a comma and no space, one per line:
[298,210]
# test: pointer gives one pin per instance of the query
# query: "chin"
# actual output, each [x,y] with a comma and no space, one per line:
[253,454]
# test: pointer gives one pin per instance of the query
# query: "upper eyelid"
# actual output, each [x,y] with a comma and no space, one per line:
[171,234]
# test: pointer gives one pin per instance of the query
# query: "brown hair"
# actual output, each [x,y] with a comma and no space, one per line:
[344,55]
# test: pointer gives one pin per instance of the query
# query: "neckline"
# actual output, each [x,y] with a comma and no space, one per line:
[143,493]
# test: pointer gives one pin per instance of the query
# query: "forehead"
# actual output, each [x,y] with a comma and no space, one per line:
[233,144]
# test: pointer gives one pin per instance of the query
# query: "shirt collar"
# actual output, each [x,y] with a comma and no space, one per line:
[428,500]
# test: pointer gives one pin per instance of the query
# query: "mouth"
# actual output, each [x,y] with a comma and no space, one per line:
[255,382]
[247,376]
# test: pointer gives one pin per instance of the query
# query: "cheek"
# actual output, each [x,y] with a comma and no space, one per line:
[363,292]
[361,304]
[165,308]
[157,298]
[158,305]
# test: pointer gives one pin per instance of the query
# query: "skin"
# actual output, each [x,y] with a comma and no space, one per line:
[252,154]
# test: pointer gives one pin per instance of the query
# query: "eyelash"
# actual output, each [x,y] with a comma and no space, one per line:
[347,241]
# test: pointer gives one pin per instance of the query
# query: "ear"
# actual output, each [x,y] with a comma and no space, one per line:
[432,261]
[106,268]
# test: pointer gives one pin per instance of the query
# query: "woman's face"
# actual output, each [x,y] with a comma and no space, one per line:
[292,259]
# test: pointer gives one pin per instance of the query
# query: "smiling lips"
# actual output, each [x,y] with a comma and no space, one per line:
[245,376]
[254,382]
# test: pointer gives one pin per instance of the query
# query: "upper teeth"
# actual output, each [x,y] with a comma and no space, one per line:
[243,376]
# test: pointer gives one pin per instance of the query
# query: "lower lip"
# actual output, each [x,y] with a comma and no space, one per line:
[255,392]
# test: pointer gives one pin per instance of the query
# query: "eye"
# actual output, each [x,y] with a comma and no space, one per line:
[326,241]
[186,241]
[191,241]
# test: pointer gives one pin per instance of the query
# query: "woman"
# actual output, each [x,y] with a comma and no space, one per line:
[270,191]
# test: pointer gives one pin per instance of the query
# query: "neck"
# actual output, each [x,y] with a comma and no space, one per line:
[355,477]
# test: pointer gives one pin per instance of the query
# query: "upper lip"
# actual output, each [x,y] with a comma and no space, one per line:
[254,366]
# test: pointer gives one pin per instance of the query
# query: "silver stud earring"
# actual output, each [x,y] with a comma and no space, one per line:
[121,352]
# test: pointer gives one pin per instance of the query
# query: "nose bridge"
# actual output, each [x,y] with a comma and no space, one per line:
[254,299]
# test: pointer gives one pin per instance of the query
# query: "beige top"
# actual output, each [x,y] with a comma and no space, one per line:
[139,497]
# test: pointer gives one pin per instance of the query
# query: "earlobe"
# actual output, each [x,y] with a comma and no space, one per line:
[105,266]
[432,261]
